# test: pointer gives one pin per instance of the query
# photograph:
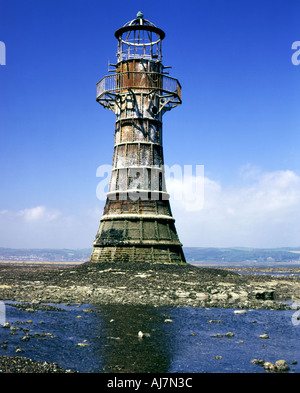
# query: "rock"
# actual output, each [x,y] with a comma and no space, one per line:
[83,344]
[264,295]
[269,366]
[183,294]
[6,325]
[240,312]
[264,336]
[218,357]
[168,320]
[234,295]
[219,296]
[281,365]
[201,296]
[212,321]
[257,361]
[141,334]
[229,334]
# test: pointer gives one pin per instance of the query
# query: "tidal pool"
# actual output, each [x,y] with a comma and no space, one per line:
[140,339]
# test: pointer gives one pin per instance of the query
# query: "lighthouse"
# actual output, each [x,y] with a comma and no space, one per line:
[137,223]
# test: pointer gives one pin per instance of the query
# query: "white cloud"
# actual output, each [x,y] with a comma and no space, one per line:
[43,227]
[39,213]
[264,213]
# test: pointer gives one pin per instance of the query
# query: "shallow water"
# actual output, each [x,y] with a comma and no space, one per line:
[177,339]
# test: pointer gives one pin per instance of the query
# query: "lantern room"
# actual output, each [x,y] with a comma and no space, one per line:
[139,39]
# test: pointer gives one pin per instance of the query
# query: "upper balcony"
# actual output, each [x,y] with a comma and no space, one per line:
[168,89]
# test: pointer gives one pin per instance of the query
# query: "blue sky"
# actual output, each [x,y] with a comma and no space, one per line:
[239,118]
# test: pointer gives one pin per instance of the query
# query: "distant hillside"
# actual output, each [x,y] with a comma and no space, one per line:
[241,254]
[192,254]
[45,254]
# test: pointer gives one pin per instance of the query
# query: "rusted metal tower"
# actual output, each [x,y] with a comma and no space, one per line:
[137,223]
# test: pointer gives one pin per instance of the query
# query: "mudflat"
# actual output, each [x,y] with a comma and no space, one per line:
[146,284]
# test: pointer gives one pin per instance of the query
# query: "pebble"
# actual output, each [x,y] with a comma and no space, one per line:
[264,336]
[25,338]
[83,344]
[141,334]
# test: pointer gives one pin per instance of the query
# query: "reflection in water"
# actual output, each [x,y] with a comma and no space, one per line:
[123,350]
[90,338]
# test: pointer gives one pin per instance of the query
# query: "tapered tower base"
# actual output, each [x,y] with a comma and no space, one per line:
[140,231]
[153,254]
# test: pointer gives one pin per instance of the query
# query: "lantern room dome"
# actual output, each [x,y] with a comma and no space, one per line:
[139,23]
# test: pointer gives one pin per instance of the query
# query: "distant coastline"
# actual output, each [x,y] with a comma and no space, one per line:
[194,255]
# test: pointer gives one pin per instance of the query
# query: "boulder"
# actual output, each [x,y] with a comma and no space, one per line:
[264,294]
[281,365]
[269,366]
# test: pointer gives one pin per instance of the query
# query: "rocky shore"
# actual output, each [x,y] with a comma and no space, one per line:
[146,284]
[35,286]
[18,364]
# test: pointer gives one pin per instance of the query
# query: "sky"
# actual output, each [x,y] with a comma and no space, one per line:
[239,119]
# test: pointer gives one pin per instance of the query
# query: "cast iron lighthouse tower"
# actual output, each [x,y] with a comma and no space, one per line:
[137,222]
